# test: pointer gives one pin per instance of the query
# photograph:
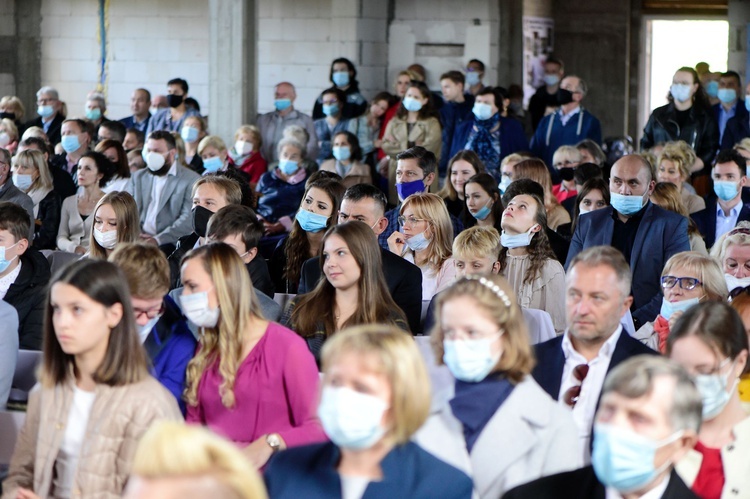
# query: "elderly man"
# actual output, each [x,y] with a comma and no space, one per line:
[48,109]
[649,419]
[646,234]
[272,124]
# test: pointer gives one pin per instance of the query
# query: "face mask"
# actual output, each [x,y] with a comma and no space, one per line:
[288,167]
[174,100]
[243,148]
[189,133]
[153,110]
[482,111]
[714,394]
[341,78]
[107,240]
[45,111]
[564,96]
[668,308]
[408,188]
[4,139]
[518,240]
[727,95]
[626,205]
[196,309]
[154,160]
[470,360]
[352,420]
[680,92]
[4,264]
[200,220]
[726,190]
[623,459]
[281,104]
[213,165]
[736,282]
[472,78]
[93,114]
[418,242]
[551,80]
[145,330]
[483,212]
[330,109]
[311,222]
[504,183]
[747,102]
[412,104]
[22,181]
[10,116]
[342,153]
[567,174]
[712,89]
[70,143]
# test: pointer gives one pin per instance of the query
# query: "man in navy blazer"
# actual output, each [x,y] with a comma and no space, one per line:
[731,201]
[597,295]
[645,234]
[731,103]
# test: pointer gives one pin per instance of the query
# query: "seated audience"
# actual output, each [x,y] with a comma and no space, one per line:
[461,167]
[115,222]
[375,396]
[95,109]
[115,153]
[582,174]
[740,301]
[95,397]
[484,204]
[666,196]
[347,160]
[673,166]
[111,130]
[136,161]
[373,119]
[480,335]
[252,381]
[61,180]
[134,139]
[216,160]
[245,153]
[333,122]
[456,108]
[591,152]
[31,175]
[565,160]
[507,166]
[12,108]
[537,171]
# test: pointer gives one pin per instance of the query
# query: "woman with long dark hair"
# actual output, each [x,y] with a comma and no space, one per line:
[484,204]
[461,167]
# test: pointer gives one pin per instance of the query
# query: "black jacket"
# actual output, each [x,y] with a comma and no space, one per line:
[700,132]
[47,222]
[53,134]
[705,219]
[62,181]
[355,105]
[28,294]
[738,128]
[539,102]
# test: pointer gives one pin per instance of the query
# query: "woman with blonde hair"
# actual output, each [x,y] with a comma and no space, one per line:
[115,221]
[673,166]
[506,169]
[251,380]
[461,167]
[193,130]
[667,195]
[375,396]
[96,397]
[536,170]
[481,336]
[426,240]
[216,160]
[353,292]
[732,251]
[565,160]
[743,147]
[12,108]
[31,175]
[688,278]
[8,135]
[178,460]
[245,153]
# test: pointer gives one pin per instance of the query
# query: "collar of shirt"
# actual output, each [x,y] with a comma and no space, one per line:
[655,493]
[605,351]
[566,117]
[731,112]
[733,213]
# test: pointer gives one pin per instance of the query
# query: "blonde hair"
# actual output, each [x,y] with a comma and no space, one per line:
[211,141]
[238,304]
[229,188]
[34,158]
[497,299]
[253,131]
[478,241]
[15,103]
[179,146]
[128,221]
[706,268]
[35,131]
[10,128]
[679,153]
[432,208]
[170,449]
[740,235]
[571,153]
[388,351]
[297,133]
[145,267]
[514,158]
[743,145]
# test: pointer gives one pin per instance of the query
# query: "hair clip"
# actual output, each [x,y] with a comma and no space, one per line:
[493,287]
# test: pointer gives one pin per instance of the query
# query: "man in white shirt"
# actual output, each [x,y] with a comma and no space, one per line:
[572,367]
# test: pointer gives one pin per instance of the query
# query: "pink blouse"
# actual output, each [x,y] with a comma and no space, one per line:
[276,391]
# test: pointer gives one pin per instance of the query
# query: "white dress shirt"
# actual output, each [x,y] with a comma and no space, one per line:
[8,280]
[654,493]
[591,388]
[726,223]
[564,118]
[149,224]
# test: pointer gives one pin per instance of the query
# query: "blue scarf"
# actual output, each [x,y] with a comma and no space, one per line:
[483,143]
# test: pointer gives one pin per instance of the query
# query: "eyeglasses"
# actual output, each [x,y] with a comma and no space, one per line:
[737,292]
[566,163]
[572,394]
[150,313]
[688,283]
[411,220]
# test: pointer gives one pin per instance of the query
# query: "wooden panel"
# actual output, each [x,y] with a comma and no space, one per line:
[686,7]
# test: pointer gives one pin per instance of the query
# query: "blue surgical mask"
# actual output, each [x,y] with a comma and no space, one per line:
[412,104]
[311,222]
[624,460]
[330,109]
[747,102]
[726,190]
[668,308]
[727,95]
[213,165]
[713,390]
[341,78]
[93,114]
[470,360]
[417,242]
[472,78]
[4,263]
[408,188]
[551,80]
[504,183]
[626,205]
[482,111]
[680,92]
[281,104]
[288,167]
[342,153]
[189,133]
[352,420]
[70,143]
[22,181]
[483,212]
[523,239]
[45,111]
[712,89]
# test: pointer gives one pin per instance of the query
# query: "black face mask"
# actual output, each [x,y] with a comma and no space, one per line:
[564,96]
[200,220]
[10,116]
[567,173]
[174,100]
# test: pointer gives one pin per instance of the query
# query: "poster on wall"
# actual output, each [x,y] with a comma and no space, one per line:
[538,42]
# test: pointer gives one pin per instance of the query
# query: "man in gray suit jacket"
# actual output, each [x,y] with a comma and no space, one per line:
[8,349]
[163,192]
[11,193]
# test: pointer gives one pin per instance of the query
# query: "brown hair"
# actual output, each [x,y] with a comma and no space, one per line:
[122,169]
[448,191]
[536,170]
[230,188]
[432,208]
[15,220]
[145,267]
[666,195]
[236,219]
[128,221]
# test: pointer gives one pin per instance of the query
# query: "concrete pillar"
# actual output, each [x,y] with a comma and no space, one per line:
[739,18]
[27,53]
[231,69]
[510,60]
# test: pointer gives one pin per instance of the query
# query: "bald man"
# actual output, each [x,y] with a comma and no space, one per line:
[645,234]
[272,124]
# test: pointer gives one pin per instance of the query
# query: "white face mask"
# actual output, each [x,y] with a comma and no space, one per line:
[107,240]
[145,330]
[154,161]
[243,148]
[351,420]
[196,309]
[736,282]
[4,139]
[523,239]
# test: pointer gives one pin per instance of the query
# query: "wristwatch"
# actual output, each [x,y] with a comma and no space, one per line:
[274,441]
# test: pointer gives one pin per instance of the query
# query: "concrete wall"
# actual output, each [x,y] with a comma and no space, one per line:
[739,17]
[7,47]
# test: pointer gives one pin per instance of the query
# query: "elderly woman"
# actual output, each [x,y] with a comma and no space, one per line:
[12,108]
[673,166]
[246,153]
[732,250]
[565,160]
[8,135]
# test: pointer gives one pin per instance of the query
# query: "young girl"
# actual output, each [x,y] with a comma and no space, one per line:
[462,166]
[192,132]
[484,204]
[115,221]
[347,160]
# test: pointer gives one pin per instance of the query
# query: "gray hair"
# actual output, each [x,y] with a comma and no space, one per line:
[290,141]
[582,86]
[99,98]
[635,378]
[47,91]
[296,132]
[609,256]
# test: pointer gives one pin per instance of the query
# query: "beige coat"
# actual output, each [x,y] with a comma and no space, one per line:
[359,173]
[119,417]
[426,133]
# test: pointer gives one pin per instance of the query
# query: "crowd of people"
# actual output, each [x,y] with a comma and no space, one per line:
[430,294]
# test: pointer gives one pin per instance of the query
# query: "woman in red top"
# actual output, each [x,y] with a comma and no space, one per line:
[246,153]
